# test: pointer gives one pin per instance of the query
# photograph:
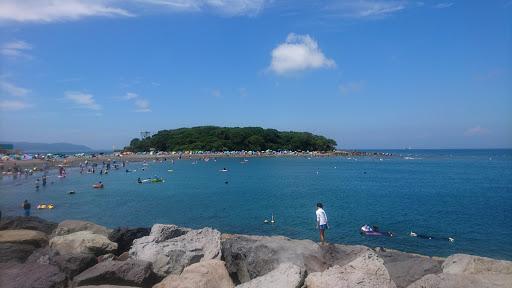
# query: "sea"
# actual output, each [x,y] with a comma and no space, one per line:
[463,194]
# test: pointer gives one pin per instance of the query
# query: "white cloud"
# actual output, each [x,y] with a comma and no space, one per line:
[298,53]
[367,8]
[56,10]
[13,105]
[476,131]
[443,5]
[351,87]
[216,93]
[83,100]
[16,48]
[12,89]
[130,96]
[142,105]
[226,7]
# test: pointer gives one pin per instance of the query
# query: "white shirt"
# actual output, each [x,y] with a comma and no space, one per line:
[321,218]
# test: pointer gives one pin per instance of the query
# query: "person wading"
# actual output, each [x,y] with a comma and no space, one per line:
[321,221]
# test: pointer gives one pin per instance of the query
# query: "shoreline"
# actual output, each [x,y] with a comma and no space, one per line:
[165,255]
[74,161]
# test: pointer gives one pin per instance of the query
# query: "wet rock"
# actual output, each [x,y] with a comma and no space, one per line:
[29,237]
[124,237]
[129,273]
[206,274]
[83,242]
[28,223]
[406,268]
[366,271]
[73,264]
[249,257]
[286,275]
[31,275]
[71,226]
[172,255]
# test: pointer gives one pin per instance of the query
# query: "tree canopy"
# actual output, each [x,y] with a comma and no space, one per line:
[213,138]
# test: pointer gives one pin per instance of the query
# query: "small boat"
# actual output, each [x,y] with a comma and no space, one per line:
[366,230]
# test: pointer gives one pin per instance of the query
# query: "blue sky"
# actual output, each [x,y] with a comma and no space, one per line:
[367,73]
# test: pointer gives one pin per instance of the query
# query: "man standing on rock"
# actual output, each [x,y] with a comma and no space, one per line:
[321,221]
[26,207]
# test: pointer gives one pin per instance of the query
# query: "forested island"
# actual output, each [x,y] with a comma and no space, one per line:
[213,138]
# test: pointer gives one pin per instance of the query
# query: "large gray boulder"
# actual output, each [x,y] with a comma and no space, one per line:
[73,264]
[405,268]
[71,226]
[461,270]
[31,275]
[29,237]
[249,257]
[83,242]
[171,249]
[124,237]
[18,245]
[475,265]
[106,286]
[444,280]
[17,253]
[27,223]
[206,274]
[130,273]
[286,275]
[366,271]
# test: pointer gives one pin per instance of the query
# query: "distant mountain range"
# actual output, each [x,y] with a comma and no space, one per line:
[48,147]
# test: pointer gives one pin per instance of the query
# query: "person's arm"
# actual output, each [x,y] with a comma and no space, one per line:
[317,220]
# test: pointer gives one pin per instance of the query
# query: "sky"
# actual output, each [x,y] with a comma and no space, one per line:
[368,73]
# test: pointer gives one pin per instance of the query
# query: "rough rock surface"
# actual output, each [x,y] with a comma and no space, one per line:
[475,265]
[82,242]
[28,223]
[248,257]
[130,272]
[366,271]
[73,264]
[31,275]
[461,270]
[12,252]
[162,232]
[170,251]
[41,256]
[286,275]
[445,280]
[29,237]
[405,268]
[124,237]
[206,274]
[71,226]
[106,286]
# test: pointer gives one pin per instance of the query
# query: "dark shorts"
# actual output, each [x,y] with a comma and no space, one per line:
[323,227]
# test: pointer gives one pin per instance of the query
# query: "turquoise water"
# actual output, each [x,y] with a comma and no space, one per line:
[464,194]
